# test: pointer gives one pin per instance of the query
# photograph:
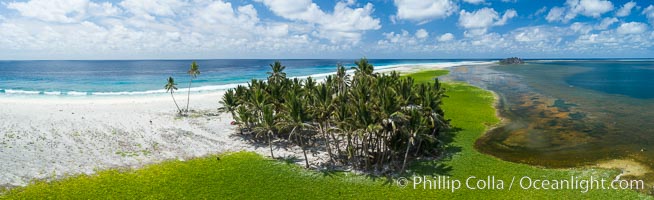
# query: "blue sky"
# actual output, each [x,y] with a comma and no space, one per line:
[173,29]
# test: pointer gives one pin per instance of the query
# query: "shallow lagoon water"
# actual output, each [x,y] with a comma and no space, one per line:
[569,113]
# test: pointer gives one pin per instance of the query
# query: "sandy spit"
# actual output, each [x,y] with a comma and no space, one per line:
[46,138]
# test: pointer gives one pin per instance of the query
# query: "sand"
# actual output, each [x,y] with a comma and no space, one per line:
[46,138]
[627,167]
[52,137]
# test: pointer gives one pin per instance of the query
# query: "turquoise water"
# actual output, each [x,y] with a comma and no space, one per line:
[135,77]
[570,113]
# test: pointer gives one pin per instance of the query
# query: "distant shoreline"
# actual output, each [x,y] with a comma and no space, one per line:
[404,67]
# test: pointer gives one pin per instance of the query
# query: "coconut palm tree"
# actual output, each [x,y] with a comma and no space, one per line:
[296,117]
[363,67]
[267,126]
[277,74]
[244,118]
[379,118]
[193,71]
[229,102]
[342,79]
[171,87]
[322,110]
[415,124]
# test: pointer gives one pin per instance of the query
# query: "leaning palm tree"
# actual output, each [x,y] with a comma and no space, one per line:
[296,117]
[193,71]
[171,87]
[415,124]
[267,126]
[322,110]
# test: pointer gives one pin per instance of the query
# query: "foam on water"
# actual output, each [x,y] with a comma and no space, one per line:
[208,87]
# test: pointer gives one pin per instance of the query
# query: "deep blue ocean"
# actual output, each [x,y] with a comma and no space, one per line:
[136,77]
[631,78]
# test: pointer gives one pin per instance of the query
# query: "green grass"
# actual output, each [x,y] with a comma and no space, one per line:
[246,175]
[427,75]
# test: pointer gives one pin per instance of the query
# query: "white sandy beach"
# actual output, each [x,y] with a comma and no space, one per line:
[48,138]
[52,137]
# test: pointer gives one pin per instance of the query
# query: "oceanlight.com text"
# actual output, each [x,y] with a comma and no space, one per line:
[582,184]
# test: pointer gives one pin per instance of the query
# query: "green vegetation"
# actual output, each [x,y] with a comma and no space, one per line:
[249,176]
[193,71]
[381,120]
[171,87]
[427,75]
[512,61]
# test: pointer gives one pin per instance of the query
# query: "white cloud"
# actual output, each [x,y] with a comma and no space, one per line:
[649,13]
[632,28]
[625,10]
[206,29]
[93,29]
[304,10]
[475,1]
[534,41]
[510,13]
[344,24]
[556,14]
[62,11]
[580,27]
[589,8]
[219,15]
[148,9]
[423,11]
[479,21]
[446,37]
[540,11]
[422,34]
[399,40]
[606,22]
[531,34]
[629,38]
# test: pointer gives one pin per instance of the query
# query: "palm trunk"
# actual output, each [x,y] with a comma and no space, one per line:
[270,145]
[171,95]
[335,139]
[406,155]
[329,149]
[366,147]
[418,149]
[348,148]
[188,97]
[304,151]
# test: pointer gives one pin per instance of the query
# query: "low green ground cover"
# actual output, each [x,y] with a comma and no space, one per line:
[246,175]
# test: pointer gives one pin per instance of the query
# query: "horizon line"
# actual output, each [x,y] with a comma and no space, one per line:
[191,59]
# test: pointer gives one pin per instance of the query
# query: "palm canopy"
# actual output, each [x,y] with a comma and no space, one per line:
[378,118]
[171,85]
[267,126]
[229,102]
[194,70]
[277,74]
[363,67]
